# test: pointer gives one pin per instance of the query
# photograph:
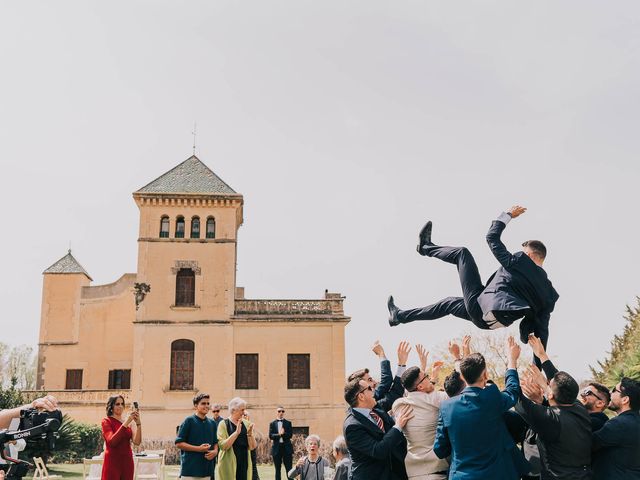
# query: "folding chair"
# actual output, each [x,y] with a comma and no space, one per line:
[89,470]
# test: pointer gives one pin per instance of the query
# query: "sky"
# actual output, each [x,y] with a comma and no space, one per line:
[345,125]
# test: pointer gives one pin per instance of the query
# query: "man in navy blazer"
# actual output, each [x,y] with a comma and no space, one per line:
[471,428]
[375,442]
[519,289]
[280,433]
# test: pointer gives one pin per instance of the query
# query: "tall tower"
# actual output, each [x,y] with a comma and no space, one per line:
[189,220]
[60,314]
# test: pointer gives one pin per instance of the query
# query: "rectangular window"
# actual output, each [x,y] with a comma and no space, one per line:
[298,371]
[304,431]
[119,379]
[74,379]
[246,371]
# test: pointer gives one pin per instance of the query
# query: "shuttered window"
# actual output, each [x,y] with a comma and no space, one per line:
[246,371]
[74,380]
[182,355]
[298,371]
[119,379]
[185,288]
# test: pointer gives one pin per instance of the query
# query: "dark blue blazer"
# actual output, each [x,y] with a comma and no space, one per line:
[471,429]
[616,448]
[386,379]
[375,455]
[518,284]
[284,448]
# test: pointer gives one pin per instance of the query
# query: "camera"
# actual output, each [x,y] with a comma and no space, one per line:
[33,425]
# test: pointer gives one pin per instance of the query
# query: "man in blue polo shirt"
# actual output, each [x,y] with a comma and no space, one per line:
[198,442]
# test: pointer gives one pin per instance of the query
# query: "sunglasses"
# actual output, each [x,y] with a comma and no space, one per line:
[616,389]
[215,411]
[118,404]
[280,411]
[587,393]
[370,388]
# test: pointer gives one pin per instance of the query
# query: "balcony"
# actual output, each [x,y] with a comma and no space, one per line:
[327,306]
[77,397]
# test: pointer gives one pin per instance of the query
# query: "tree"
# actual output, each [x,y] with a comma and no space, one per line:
[624,358]
[20,363]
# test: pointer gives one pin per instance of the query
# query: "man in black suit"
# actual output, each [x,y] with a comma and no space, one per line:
[376,444]
[616,446]
[280,432]
[519,289]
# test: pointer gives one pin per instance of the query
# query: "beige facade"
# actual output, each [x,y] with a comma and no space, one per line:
[98,340]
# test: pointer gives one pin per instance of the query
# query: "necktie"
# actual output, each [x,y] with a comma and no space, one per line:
[377,419]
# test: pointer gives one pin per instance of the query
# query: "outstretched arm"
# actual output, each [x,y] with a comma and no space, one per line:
[498,248]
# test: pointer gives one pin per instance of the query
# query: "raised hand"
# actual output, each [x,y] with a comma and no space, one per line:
[435,370]
[403,352]
[516,211]
[377,349]
[454,350]
[423,355]
[536,376]
[466,346]
[538,349]
[514,352]
[532,390]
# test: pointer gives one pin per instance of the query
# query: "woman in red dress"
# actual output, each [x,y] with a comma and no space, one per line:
[118,435]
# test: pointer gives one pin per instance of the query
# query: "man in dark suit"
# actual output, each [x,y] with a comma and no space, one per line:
[280,433]
[471,428]
[376,444]
[519,289]
[616,446]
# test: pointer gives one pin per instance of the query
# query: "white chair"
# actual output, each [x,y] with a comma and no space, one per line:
[41,470]
[92,468]
[148,468]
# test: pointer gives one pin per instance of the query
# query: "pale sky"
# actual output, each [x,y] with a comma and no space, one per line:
[345,125]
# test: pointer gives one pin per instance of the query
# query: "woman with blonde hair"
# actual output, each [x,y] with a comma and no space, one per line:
[310,467]
[236,440]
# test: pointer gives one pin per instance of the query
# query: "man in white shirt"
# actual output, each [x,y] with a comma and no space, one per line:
[420,431]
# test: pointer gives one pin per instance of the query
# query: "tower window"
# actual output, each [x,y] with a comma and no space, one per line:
[164,227]
[119,379]
[180,227]
[211,227]
[195,227]
[247,371]
[185,288]
[298,371]
[74,379]
[182,356]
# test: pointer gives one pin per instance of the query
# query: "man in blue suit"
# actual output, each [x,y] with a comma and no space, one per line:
[519,289]
[471,428]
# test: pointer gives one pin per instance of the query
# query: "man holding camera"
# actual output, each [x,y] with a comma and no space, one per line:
[48,403]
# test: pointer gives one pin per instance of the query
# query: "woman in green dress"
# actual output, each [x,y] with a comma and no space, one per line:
[236,440]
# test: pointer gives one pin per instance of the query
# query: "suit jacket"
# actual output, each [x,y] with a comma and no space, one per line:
[284,448]
[471,429]
[518,284]
[395,392]
[386,379]
[420,432]
[616,448]
[375,455]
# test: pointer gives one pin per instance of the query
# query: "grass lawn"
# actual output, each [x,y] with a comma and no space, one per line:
[74,470]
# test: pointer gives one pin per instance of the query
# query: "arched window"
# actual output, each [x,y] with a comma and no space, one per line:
[185,288]
[180,227]
[195,227]
[211,227]
[164,227]
[182,353]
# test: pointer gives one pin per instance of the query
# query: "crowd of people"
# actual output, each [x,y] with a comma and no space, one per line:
[540,426]
[410,425]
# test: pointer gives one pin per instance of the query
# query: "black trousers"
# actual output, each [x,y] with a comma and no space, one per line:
[280,458]
[465,307]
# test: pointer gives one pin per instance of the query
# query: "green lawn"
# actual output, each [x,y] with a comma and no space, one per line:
[74,471]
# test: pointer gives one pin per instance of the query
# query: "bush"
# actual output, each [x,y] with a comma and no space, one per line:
[171,452]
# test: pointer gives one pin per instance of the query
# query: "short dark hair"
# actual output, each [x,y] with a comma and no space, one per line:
[111,402]
[631,389]
[351,390]
[536,247]
[454,384]
[410,377]
[564,388]
[472,366]
[359,374]
[198,398]
[603,390]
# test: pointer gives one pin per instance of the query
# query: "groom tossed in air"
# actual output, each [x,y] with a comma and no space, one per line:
[519,289]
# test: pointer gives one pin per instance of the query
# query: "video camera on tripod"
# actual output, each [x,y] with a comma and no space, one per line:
[33,424]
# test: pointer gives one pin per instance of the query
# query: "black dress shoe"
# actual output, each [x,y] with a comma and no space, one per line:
[393,312]
[424,237]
